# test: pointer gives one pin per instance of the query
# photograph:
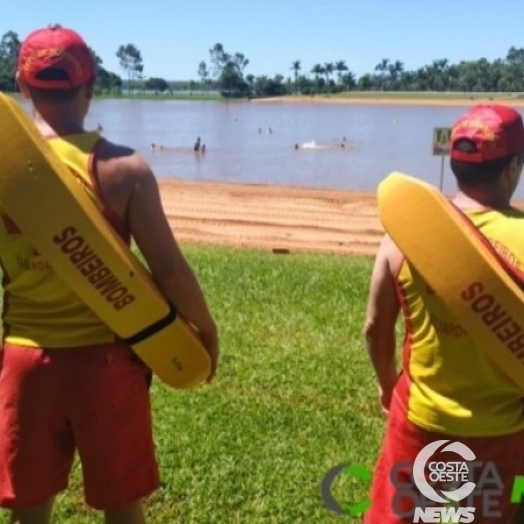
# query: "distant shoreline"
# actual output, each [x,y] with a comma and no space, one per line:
[413,99]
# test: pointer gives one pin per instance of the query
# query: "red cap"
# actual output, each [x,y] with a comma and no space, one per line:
[58,48]
[494,129]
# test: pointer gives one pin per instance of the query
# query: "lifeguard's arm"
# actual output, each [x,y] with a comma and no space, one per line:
[151,231]
[382,311]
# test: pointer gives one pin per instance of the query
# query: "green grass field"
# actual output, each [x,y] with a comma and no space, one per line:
[294,397]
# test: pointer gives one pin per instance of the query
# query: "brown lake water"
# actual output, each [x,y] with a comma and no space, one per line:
[251,142]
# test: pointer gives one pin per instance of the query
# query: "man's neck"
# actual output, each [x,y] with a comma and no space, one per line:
[51,123]
[479,200]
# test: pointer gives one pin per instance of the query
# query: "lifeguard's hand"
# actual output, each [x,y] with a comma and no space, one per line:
[385,399]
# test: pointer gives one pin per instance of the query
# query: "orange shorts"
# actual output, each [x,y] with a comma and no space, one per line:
[394,494]
[93,400]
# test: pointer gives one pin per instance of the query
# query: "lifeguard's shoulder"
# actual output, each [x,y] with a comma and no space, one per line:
[121,161]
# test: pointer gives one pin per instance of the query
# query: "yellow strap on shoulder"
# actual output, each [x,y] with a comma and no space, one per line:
[460,265]
[57,216]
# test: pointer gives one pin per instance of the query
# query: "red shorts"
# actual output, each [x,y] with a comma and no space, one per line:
[394,494]
[93,400]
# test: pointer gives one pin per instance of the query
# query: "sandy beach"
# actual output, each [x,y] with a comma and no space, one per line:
[278,219]
[288,219]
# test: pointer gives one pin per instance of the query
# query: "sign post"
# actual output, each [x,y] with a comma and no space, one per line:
[441,138]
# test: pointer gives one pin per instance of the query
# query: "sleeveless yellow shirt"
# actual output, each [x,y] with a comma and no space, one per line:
[39,310]
[449,384]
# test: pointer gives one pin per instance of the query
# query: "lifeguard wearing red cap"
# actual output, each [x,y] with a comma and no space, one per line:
[55,48]
[495,130]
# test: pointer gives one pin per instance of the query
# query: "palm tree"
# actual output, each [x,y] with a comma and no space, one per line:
[328,70]
[318,70]
[395,71]
[295,67]
[382,67]
[437,74]
[340,68]
[348,80]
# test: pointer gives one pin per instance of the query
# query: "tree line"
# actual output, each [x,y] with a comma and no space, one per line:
[225,72]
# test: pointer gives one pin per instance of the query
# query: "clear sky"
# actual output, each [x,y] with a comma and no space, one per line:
[174,36]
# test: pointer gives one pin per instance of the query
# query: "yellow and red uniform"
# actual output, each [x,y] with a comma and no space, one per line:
[39,310]
[450,389]
[89,389]
[449,384]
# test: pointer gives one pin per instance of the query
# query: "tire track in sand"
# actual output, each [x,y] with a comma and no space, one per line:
[272,217]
